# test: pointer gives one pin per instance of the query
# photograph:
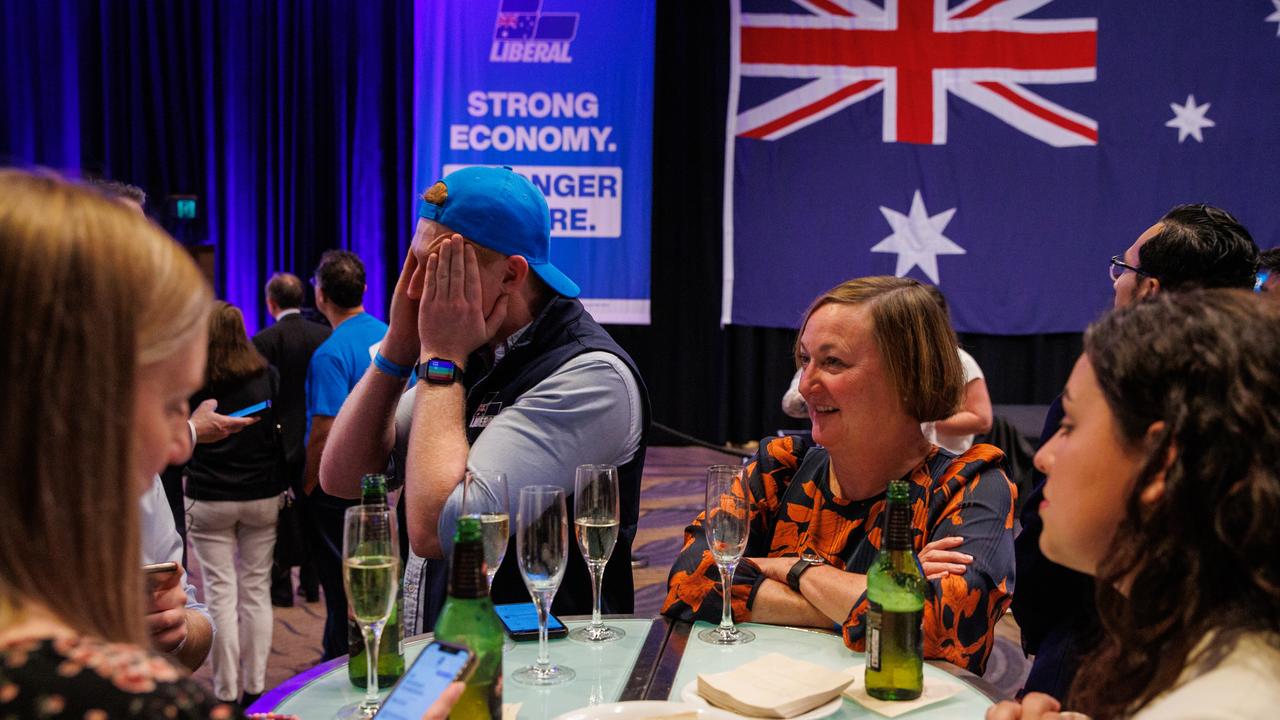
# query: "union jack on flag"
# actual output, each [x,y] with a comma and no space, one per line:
[916,53]
[999,149]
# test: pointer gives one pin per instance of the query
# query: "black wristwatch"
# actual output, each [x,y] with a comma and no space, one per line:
[439,371]
[801,567]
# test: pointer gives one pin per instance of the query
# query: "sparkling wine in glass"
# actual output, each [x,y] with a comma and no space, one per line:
[595,524]
[484,497]
[542,544]
[726,523]
[370,574]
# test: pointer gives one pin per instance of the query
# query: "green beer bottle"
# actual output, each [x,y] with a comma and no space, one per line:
[373,491]
[468,618]
[895,607]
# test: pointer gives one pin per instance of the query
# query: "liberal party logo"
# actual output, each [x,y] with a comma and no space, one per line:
[525,34]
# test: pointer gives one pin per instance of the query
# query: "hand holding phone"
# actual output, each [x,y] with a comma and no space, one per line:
[427,680]
[521,622]
[166,605]
[251,410]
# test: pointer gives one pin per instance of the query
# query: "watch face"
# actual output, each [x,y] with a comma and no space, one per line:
[811,557]
[440,371]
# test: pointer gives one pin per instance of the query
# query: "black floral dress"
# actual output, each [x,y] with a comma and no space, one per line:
[91,679]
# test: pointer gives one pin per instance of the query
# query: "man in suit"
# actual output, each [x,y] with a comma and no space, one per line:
[288,345]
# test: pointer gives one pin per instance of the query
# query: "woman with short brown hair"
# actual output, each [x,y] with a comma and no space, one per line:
[878,357]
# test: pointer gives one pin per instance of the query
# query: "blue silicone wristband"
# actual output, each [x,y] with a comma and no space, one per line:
[387,367]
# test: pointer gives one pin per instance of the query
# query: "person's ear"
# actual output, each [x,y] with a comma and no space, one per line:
[514,273]
[1148,287]
[1154,490]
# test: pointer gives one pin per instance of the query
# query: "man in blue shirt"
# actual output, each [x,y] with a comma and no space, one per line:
[336,367]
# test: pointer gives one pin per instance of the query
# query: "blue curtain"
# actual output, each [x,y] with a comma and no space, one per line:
[290,119]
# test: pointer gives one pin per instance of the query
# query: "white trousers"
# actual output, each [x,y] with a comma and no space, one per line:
[238,594]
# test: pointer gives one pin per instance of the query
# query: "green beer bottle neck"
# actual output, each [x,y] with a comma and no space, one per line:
[897,522]
[467,580]
[373,490]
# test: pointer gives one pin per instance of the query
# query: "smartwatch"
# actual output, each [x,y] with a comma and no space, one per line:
[439,371]
[800,568]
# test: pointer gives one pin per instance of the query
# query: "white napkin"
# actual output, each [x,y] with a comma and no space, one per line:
[934,691]
[773,685]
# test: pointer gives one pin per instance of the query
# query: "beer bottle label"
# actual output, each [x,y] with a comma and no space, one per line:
[874,620]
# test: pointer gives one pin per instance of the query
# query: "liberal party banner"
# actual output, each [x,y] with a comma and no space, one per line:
[561,91]
[1001,149]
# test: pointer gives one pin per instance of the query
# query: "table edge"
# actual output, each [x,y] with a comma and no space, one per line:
[271,699]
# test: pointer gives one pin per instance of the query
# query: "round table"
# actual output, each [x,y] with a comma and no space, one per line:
[655,661]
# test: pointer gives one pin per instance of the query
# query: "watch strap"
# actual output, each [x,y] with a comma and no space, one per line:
[800,567]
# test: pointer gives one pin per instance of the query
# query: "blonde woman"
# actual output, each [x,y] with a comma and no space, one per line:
[103,319]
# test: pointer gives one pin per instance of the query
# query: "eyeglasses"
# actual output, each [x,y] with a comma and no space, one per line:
[1118,267]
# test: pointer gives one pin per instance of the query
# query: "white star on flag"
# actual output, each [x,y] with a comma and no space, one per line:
[917,238]
[1275,16]
[1190,119]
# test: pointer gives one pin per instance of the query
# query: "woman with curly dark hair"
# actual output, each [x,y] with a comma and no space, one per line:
[1164,483]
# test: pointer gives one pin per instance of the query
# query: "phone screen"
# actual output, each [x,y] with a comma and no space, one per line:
[251,409]
[522,618]
[436,666]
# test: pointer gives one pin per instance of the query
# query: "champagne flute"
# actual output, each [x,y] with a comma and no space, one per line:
[542,544]
[484,497]
[726,523]
[370,573]
[595,524]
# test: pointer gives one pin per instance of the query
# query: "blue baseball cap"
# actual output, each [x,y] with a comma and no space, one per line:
[501,210]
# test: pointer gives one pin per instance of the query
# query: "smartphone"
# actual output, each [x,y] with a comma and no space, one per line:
[160,567]
[251,410]
[436,666]
[521,622]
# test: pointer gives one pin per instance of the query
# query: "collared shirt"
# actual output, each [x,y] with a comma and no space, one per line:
[572,417]
[162,543]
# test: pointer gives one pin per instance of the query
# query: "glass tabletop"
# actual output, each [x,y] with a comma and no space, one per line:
[821,648]
[602,674]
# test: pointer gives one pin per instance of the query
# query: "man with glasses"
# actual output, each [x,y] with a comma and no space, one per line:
[1192,246]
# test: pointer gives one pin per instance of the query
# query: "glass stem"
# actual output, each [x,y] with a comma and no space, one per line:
[726,606]
[372,636]
[540,602]
[597,576]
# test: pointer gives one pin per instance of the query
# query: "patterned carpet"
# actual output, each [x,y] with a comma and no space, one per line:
[672,494]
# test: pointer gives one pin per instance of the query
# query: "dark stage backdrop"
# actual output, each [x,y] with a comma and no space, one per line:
[291,120]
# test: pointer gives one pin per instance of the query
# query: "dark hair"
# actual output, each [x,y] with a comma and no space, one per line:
[914,338]
[1201,559]
[1200,246]
[1270,259]
[116,190]
[286,290]
[341,276]
[232,357]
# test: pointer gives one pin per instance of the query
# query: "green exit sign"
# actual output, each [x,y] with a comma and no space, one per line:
[184,207]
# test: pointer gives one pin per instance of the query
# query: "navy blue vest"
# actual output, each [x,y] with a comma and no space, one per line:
[561,332]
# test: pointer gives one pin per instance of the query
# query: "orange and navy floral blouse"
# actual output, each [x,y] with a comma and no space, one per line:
[96,680]
[793,511]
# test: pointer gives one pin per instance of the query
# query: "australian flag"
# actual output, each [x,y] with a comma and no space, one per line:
[517,19]
[1001,149]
